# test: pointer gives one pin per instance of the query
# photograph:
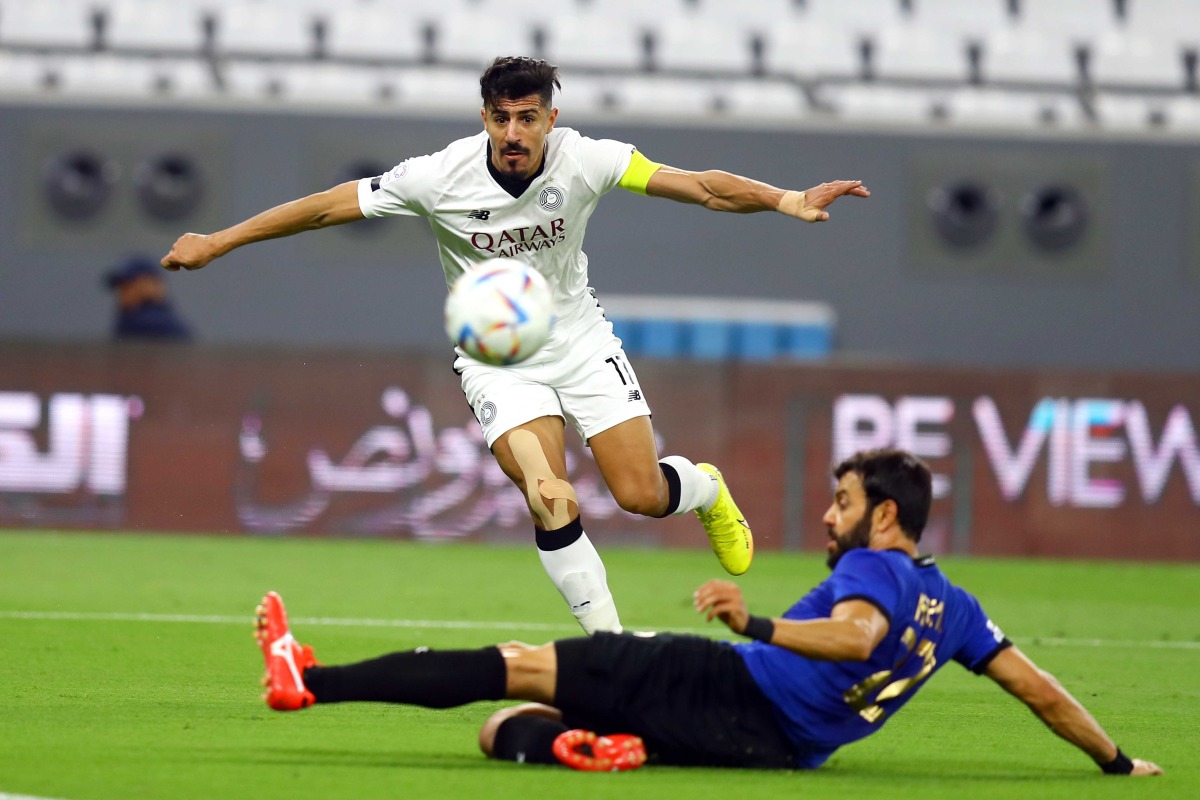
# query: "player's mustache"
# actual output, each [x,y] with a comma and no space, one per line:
[514,148]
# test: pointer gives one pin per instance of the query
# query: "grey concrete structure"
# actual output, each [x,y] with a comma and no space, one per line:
[1125,296]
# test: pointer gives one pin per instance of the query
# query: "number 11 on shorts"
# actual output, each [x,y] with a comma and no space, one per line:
[623,370]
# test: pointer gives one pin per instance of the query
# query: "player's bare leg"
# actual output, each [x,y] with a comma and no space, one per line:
[628,460]
[532,671]
[644,484]
[533,456]
[487,734]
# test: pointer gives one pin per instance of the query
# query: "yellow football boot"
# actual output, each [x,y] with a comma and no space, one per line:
[727,528]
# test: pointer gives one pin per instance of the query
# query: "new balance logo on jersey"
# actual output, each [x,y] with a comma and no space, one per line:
[635,394]
[481,213]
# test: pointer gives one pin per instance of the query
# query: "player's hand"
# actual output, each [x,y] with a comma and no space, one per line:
[810,204]
[190,251]
[1145,768]
[723,600]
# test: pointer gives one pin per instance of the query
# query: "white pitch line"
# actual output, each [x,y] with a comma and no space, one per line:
[6,796]
[104,616]
[452,624]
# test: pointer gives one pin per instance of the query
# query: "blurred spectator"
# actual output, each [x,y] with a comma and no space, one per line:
[143,310]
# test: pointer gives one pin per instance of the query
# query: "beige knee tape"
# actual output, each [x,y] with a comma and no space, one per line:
[549,497]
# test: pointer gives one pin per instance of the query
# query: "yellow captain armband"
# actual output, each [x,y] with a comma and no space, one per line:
[637,175]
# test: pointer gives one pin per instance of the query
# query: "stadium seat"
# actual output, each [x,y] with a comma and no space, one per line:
[106,76]
[1077,21]
[184,77]
[809,51]
[883,104]
[590,40]
[152,25]
[696,56]
[640,12]
[1183,114]
[100,76]
[920,53]
[314,84]
[760,101]
[1133,61]
[1003,108]
[974,20]
[586,93]
[42,24]
[326,84]
[757,15]
[264,28]
[860,17]
[1124,112]
[463,39]
[256,81]
[437,90]
[1024,56]
[21,73]
[362,31]
[666,97]
[703,45]
[1167,21]
[409,10]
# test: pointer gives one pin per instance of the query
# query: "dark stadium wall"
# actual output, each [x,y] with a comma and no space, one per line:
[1123,295]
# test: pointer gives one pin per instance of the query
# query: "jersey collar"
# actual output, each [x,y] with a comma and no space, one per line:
[514,186]
[921,561]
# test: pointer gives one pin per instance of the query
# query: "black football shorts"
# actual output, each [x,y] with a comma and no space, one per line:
[691,699]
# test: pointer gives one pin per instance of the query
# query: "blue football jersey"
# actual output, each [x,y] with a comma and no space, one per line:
[823,705]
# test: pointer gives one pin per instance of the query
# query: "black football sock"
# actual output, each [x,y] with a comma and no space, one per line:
[419,677]
[527,739]
[674,487]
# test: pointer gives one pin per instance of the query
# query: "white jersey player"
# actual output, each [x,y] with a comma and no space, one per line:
[523,189]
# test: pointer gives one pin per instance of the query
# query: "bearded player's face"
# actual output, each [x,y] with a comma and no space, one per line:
[517,130]
[848,519]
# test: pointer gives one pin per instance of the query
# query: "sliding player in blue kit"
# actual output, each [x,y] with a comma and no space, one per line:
[832,670]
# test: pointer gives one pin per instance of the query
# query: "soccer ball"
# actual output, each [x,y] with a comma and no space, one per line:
[500,313]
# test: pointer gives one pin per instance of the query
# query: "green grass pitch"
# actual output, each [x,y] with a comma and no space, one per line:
[128,670]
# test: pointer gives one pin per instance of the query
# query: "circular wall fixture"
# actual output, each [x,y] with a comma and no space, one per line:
[1054,216]
[78,184]
[964,212]
[169,186]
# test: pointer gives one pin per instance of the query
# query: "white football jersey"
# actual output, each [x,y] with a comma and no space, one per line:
[476,219]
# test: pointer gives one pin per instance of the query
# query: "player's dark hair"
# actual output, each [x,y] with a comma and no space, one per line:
[514,77]
[896,475]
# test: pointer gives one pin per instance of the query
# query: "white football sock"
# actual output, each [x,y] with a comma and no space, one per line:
[579,574]
[697,489]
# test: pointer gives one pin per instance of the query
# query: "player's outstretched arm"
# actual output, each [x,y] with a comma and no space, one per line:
[853,630]
[724,191]
[1064,715]
[332,207]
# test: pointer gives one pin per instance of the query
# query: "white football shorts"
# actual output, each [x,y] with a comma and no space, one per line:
[581,375]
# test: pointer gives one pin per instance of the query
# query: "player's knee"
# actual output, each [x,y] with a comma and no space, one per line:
[645,499]
[551,499]
[524,733]
[487,734]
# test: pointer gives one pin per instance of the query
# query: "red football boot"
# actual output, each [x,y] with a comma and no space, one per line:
[584,750]
[286,659]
